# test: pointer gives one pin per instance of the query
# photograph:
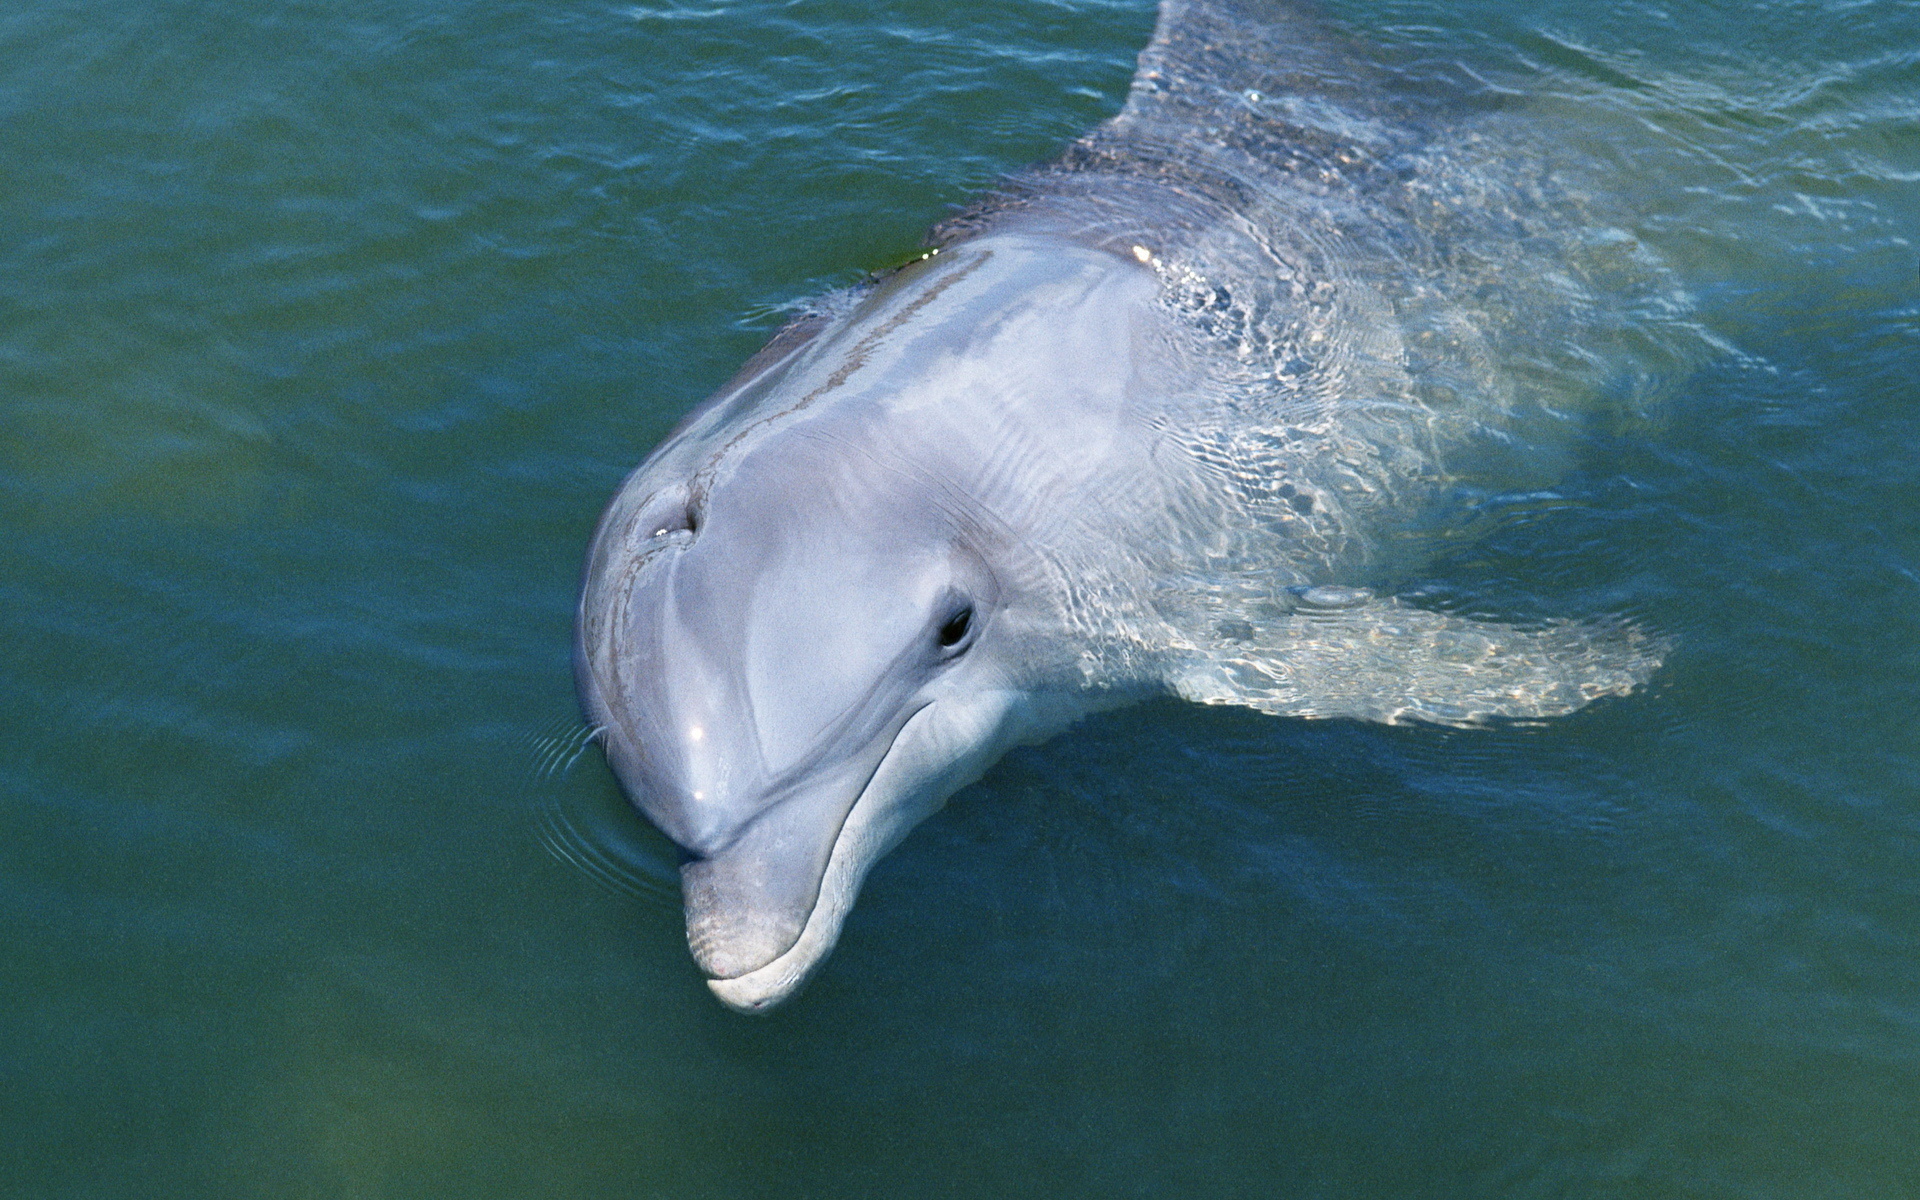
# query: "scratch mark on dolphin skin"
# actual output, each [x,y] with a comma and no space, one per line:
[856,359]
[967,513]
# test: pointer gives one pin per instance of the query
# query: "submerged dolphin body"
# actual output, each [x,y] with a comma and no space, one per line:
[1149,420]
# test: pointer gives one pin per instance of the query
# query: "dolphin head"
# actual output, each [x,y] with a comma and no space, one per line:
[806,622]
[790,671]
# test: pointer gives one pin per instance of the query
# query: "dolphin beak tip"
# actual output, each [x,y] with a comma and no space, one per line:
[757,993]
[749,1000]
[767,987]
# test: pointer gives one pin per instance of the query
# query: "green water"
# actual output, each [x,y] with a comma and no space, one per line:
[327,326]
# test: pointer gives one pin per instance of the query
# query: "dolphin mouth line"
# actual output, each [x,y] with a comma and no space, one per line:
[759,990]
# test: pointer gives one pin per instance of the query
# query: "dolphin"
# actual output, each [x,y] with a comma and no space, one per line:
[1168,416]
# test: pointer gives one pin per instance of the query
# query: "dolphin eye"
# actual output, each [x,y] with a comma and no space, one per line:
[955,630]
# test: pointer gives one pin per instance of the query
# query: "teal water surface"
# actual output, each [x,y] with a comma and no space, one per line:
[326,328]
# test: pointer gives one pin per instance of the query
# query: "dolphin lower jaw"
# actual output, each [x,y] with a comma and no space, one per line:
[940,750]
[748,899]
[729,938]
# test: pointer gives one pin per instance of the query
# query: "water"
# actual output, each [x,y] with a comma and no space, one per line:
[327,328]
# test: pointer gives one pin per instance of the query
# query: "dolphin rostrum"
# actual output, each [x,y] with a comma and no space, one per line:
[1160,418]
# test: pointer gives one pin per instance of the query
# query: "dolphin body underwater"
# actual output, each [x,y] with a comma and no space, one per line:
[1168,416]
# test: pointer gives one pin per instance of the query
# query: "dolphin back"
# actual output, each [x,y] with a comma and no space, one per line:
[1395,299]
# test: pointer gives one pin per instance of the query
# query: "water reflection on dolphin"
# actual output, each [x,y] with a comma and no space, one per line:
[1158,418]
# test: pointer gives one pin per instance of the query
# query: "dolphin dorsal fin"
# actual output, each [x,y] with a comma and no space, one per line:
[1269,46]
[1281,84]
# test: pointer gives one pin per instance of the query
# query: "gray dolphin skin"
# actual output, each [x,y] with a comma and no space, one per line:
[1169,416]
